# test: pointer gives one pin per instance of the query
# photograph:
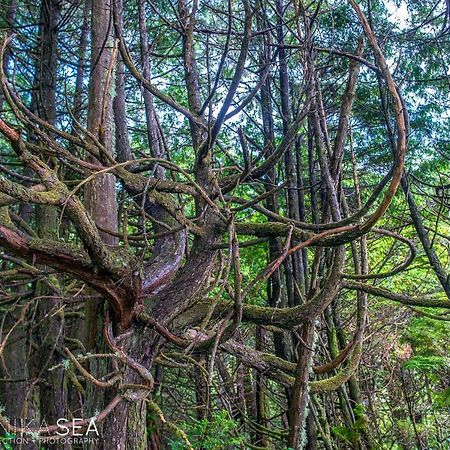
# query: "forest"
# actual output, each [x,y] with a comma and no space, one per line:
[224,224]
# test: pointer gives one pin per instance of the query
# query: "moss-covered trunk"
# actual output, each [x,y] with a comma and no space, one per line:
[126,427]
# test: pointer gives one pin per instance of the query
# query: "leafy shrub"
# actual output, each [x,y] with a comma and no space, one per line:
[213,434]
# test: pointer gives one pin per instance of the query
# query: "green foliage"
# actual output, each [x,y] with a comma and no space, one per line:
[428,337]
[213,434]
[352,434]
[442,399]
[5,441]
[426,364]
[348,434]
[152,421]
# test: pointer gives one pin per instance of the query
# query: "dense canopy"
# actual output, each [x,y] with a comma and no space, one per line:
[224,224]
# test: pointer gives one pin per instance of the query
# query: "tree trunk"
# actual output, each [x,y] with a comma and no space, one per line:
[100,201]
[52,393]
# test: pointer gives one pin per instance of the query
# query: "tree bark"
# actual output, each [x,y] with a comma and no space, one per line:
[100,202]
[50,335]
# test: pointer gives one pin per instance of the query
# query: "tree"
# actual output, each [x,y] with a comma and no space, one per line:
[213,150]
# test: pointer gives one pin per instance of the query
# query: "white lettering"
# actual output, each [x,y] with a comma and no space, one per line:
[60,422]
[76,427]
[92,427]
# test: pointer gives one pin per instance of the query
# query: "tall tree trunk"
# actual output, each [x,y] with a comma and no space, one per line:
[53,393]
[100,196]
[101,191]
[298,409]
[153,133]
[261,393]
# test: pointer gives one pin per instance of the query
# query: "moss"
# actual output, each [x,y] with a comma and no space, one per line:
[275,229]
[279,363]
[58,249]
[5,219]
[136,427]
[334,382]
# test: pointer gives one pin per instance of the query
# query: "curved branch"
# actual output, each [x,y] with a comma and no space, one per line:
[285,318]
[425,300]
[73,261]
[334,382]
[406,263]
